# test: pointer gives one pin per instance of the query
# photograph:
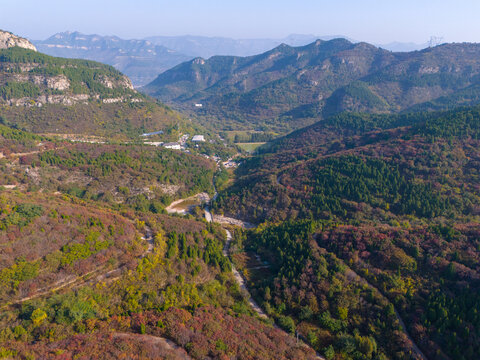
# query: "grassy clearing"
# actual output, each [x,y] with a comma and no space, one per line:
[231,134]
[250,147]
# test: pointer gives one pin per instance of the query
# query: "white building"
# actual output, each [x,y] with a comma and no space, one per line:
[152,133]
[198,138]
[173,145]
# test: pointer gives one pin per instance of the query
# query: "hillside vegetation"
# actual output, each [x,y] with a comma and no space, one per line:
[92,267]
[289,87]
[45,94]
[362,213]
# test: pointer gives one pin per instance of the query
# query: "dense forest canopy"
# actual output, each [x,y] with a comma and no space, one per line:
[367,221]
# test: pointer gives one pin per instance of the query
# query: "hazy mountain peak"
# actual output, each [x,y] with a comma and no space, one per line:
[199,61]
[282,47]
[140,59]
[8,40]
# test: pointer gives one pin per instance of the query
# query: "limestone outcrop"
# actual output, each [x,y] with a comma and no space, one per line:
[8,40]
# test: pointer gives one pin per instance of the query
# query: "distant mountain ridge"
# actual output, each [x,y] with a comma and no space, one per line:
[288,87]
[205,47]
[141,60]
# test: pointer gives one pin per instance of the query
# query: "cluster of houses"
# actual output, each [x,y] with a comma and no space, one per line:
[180,145]
[229,164]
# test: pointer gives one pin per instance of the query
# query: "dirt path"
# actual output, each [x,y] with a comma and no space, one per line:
[231,221]
[238,277]
[55,287]
[17,155]
[199,198]
[148,237]
[241,281]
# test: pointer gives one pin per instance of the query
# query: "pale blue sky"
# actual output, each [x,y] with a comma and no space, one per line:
[376,21]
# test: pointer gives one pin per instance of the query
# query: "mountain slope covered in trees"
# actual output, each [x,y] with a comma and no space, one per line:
[91,266]
[288,87]
[394,199]
[45,94]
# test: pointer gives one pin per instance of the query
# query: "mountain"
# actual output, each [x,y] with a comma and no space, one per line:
[91,264]
[392,201]
[140,60]
[288,87]
[47,94]
[203,46]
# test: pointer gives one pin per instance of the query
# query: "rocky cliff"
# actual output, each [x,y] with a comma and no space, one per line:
[8,40]
[46,94]
[30,78]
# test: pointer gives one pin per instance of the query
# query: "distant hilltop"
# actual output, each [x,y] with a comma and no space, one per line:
[9,40]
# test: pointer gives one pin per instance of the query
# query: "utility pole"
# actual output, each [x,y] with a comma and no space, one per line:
[435,41]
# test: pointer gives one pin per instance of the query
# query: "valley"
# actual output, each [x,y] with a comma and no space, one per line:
[310,202]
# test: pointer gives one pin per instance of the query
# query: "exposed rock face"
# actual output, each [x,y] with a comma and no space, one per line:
[8,40]
[123,82]
[67,100]
[59,82]
[43,81]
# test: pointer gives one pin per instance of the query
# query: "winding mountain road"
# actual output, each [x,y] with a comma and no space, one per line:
[238,277]
[241,281]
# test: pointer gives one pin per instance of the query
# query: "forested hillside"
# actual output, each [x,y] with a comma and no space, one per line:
[46,94]
[290,87]
[414,170]
[354,238]
[367,221]
[91,266]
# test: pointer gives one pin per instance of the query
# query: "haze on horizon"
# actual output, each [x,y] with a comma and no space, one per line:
[373,21]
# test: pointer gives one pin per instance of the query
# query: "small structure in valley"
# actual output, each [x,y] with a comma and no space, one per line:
[198,138]
[172,145]
[153,143]
[152,133]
